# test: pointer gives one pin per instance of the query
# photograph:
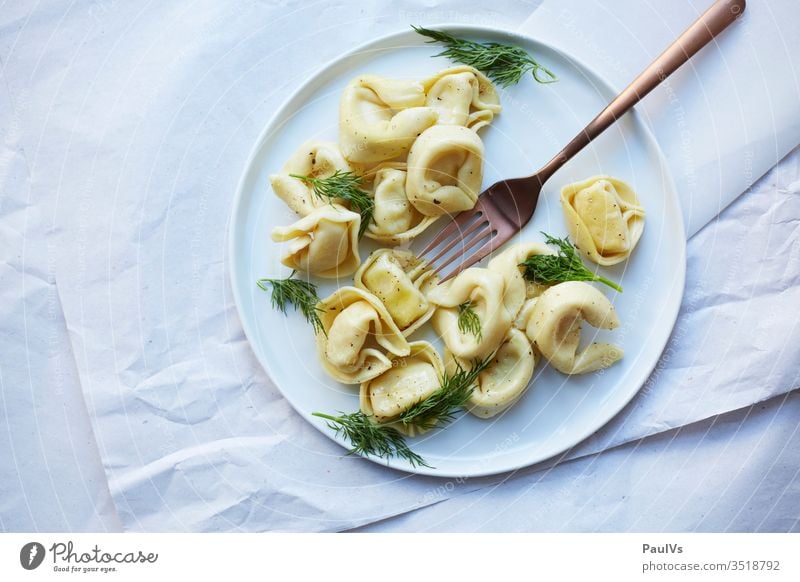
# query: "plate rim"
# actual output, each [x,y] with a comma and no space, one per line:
[675,297]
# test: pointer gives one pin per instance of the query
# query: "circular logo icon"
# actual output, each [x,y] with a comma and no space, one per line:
[31,555]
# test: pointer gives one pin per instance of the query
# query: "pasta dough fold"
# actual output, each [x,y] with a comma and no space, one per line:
[356,329]
[445,170]
[462,95]
[485,291]
[409,380]
[554,325]
[399,280]
[394,220]
[604,218]
[505,380]
[380,118]
[323,243]
[315,159]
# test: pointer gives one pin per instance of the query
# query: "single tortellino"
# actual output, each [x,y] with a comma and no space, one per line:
[409,380]
[356,332]
[604,217]
[462,96]
[484,290]
[554,325]
[507,263]
[445,170]
[399,280]
[323,243]
[506,378]
[380,118]
[315,159]
[394,220]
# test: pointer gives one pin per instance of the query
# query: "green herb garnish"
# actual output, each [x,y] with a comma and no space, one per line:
[503,64]
[370,438]
[381,440]
[439,408]
[564,266]
[468,320]
[347,187]
[300,294]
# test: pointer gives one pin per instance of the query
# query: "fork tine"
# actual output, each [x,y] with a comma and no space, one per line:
[455,225]
[481,222]
[472,259]
[467,245]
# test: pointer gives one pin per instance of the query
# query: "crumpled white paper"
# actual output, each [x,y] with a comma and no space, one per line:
[51,478]
[140,126]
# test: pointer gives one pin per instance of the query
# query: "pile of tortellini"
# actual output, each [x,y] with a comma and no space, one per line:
[416,146]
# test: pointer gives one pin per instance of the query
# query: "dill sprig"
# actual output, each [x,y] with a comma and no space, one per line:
[381,440]
[564,266]
[370,438]
[503,64]
[345,186]
[301,295]
[439,408]
[468,320]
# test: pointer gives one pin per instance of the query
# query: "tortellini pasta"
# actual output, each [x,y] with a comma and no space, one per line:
[518,289]
[554,325]
[410,379]
[400,281]
[604,217]
[315,159]
[462,96]
[485,291]
[524,315]
[356,329]
[505,380]
[323,243]
[394,220]
[380,118]
[445,170]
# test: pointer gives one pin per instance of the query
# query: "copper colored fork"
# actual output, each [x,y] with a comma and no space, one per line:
[505,207]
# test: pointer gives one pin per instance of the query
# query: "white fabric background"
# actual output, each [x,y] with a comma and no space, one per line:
[125,127]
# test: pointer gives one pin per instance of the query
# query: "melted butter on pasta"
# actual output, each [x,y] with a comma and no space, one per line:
[324,242]
[411,379]
[380,118]
[462,96]
[357,334]
[399,280]
[604,218]
[315,159]
[554,325]
[445,170]
[395,220]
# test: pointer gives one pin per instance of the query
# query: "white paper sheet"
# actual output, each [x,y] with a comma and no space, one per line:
[138,121]
[51,477]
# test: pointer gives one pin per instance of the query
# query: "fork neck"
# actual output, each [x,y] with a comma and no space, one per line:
[551,167]
[718,17]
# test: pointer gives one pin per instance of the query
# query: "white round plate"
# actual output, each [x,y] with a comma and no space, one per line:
[557,411]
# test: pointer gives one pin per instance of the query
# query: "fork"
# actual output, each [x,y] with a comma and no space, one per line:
[506,206]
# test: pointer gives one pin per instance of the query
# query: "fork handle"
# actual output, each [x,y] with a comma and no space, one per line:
[716,19]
